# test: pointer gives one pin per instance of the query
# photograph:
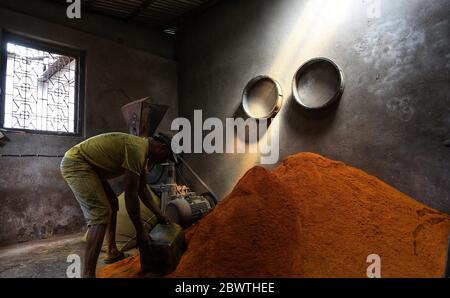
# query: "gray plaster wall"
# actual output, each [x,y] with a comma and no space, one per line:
[138,36]
[393,120]
[35,202]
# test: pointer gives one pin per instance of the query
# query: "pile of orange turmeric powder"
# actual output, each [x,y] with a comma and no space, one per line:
[310,217]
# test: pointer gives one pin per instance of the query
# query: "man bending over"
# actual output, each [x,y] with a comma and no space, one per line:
[86,168]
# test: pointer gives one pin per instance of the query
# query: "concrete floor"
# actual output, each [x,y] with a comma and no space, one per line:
[43,258]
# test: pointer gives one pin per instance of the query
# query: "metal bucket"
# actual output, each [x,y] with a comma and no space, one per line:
[168,245]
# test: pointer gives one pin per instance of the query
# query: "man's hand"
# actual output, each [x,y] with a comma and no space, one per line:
[162,219]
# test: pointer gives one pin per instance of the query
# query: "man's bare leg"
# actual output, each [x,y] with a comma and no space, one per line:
[143,240]
[94,241]
[113,251]
[131,182]
[134,212]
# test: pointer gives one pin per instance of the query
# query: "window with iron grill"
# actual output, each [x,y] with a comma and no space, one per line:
[40,87]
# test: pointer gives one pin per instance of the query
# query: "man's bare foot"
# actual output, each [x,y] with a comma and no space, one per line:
[114,256]
[113,253]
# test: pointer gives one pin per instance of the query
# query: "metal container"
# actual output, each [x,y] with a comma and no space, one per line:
[143,117]
[318,84]
[168,245]
[262,98]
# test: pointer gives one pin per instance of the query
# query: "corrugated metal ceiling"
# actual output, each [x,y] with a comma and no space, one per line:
[166,15]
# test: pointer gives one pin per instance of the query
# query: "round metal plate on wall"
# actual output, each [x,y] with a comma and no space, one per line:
[262,98]
[318,83]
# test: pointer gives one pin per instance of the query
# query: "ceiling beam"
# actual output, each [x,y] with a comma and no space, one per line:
[140,9]
[178,21]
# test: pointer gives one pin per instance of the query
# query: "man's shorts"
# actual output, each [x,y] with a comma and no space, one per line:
[87,188]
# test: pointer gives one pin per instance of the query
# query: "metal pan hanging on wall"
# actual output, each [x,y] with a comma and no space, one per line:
[262,98]
[318,83]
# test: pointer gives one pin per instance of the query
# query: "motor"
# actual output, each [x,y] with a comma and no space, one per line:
[186,210]
[178,202]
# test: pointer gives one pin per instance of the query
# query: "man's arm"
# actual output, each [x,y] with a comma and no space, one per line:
[131,181]
[112,199]
[145,196]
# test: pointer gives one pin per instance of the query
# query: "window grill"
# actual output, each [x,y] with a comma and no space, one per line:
[40,90]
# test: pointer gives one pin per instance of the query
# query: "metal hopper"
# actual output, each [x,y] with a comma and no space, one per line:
[143,117]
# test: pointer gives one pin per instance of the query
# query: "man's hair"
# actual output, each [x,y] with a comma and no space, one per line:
[165,141]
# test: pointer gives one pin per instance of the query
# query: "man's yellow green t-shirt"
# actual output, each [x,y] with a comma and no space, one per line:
[113,153]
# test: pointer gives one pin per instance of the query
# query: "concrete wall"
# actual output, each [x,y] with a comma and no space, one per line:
[35,201]
[136,36]
[394,118]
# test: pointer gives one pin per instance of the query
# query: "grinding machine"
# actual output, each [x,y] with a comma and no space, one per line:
[178,202]
[181,205]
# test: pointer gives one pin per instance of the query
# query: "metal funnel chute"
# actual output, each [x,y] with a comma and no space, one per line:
[143,117]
